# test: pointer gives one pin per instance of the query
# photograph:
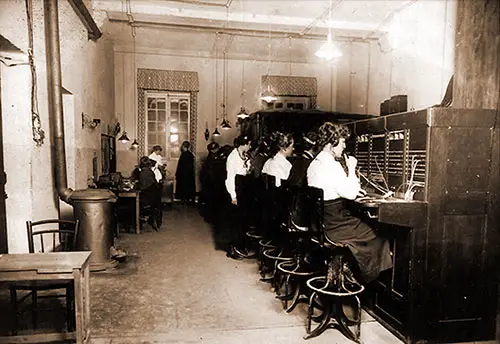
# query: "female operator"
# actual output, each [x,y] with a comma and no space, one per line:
[335,173]
[281,148]
[237,164]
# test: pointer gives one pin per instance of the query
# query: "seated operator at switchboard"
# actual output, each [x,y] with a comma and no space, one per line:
[335,173]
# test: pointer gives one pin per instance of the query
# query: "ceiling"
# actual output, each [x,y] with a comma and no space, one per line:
[281,28]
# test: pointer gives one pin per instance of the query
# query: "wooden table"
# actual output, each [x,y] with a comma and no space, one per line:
[131,194]
[52,266]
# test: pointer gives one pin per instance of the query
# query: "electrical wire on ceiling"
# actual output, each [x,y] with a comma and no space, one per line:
[204,3]
[240,32]
[323,14]
[36,124]
[389,17]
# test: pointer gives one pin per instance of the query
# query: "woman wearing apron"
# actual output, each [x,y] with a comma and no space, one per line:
[335,173]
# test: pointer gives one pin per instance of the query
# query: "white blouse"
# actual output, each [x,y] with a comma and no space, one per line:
[234,165]
[326,173]
[156,168]
[279,167]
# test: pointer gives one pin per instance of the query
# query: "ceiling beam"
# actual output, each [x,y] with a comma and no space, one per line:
[239,28]
[94,33]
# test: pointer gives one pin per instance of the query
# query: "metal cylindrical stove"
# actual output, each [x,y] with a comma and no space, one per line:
[94,209]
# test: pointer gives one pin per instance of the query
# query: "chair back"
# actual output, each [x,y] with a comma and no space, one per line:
[314,202]
[288,203]
[61,233]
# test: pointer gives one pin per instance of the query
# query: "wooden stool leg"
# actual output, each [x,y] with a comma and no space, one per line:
[34,314]
[13,300]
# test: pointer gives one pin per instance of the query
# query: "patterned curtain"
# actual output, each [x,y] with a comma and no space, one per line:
[166,80]
[298,86]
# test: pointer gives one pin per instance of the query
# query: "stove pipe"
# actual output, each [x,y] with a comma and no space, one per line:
[54,81]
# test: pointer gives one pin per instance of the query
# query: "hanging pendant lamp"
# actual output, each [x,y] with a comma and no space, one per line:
[225,124]
[243,113]
[124,138]
[216,132]
[329,49]
[268,96]
[134,144]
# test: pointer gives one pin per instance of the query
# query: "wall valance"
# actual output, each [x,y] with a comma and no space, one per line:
[291,85]
[169,80]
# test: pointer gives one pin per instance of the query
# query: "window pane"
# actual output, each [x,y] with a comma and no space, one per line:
[174,128]
[184,116]
[152,103]
[161,116]
[184,104]
[152,115]
[161,140]
[151,126]
[160,127]
[174,138]
[174,105]
[161,103]
[152,139]
[183,128]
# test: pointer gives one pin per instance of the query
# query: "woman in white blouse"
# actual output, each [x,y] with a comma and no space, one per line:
[237,164]
[278,166]
[335,173]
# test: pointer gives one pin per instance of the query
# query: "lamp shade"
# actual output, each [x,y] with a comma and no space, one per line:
[124,138]
[268,96]
[243,113]
[216,132]
[135,144]
[329,50]
[225,124]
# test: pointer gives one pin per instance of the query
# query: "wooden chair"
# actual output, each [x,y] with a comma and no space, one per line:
[62,236]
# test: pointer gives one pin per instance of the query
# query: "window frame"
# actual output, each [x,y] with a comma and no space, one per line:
[168,97]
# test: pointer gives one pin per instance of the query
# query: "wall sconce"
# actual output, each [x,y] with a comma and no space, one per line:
[90,123]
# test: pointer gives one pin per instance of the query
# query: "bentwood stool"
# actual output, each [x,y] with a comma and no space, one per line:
[297,271]
[275,256]
[330,291]
[265,266]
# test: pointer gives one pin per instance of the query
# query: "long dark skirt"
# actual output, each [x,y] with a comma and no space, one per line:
[370,251]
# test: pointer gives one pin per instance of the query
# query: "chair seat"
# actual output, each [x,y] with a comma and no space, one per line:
[320,285]
[254,235]
[275,254]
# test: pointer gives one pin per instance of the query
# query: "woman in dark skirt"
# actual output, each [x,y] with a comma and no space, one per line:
[335,173]
[185,188]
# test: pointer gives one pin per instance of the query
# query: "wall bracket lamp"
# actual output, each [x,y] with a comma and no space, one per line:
[90,123]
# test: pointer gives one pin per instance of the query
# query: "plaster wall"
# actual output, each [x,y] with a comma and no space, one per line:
[87,74]
[415,58]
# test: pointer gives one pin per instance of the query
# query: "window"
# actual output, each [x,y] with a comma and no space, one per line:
[167,122]
[289,103]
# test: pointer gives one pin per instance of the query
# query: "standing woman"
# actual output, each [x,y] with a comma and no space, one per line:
[335,173]
[185,188]
[237,164]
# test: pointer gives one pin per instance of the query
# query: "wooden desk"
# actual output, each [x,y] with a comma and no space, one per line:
[131,194]
[52,266]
